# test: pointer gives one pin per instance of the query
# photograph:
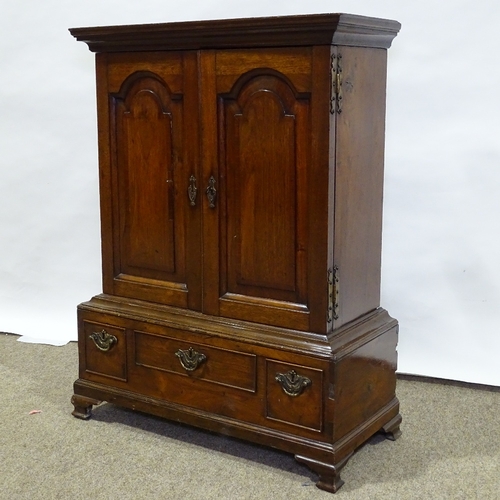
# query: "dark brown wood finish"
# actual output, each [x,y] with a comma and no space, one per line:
[241,172]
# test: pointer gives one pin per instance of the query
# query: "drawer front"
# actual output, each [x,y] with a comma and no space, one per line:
[206,373]
[105,350]
[294,395]
[196,360]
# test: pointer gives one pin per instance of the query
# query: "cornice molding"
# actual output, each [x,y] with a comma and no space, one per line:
[289,31]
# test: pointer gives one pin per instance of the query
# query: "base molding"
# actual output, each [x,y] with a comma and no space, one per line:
[326,460]
[96,393]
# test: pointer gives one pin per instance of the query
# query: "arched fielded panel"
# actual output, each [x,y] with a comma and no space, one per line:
[147,125]
[263,163]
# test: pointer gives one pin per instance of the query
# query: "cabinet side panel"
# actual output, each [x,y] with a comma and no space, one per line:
[359,180]
[365,382]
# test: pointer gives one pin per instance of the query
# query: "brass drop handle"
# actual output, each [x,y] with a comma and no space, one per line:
[192,191]
[190,359]
[292,383]
[211,192]
[103,340]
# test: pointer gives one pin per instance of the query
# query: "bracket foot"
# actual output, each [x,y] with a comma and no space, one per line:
[83,406]
[329,475]
[391,429]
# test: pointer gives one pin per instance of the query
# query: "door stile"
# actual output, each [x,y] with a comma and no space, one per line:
[209,185]
[320,191]
[193,201]
[106,190]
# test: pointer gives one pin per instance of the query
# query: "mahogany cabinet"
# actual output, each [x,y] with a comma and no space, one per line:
[241,176]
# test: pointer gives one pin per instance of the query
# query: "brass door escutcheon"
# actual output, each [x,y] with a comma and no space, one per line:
[192,190]
[103,340]
[292,383]
[190,359]
[211,192]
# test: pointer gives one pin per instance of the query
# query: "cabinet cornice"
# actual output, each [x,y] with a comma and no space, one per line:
[289,31]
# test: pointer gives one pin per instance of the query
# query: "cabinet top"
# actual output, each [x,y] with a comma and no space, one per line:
[317,29]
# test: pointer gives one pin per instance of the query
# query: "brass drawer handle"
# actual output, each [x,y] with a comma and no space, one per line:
[292,383]
[190,359]
[103,340]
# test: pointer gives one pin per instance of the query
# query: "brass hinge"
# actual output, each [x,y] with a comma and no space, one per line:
[336,88]
[333,294]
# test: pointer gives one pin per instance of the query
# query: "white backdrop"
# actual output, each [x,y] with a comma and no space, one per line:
[441,277]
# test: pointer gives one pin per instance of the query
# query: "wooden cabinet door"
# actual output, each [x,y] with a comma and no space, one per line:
[151,235]
[264,171]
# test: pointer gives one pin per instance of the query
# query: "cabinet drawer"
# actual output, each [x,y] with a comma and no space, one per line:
[294,395]
[216,365]
[105,350]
